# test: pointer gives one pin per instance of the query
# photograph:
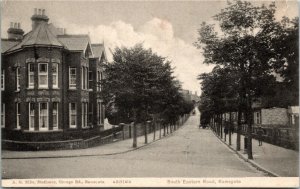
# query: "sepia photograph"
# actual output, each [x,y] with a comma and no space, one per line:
[149,93]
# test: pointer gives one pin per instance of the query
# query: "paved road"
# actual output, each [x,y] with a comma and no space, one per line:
[189,152]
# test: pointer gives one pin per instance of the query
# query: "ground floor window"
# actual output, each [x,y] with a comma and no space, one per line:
[84,114]
[18,113]
[2,115]
[43,116]
[72,115]
[31,116]
[99,113]
[55,115]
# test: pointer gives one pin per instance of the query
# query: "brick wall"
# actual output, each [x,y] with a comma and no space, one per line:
[274,116]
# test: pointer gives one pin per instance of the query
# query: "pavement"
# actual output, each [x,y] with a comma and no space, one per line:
[116,147]
[272,159]
[187,152]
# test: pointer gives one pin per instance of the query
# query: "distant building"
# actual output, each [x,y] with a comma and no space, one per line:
[189,96]
[50,81]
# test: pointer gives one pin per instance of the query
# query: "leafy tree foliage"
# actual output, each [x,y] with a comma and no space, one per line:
[248,43]
[139,84]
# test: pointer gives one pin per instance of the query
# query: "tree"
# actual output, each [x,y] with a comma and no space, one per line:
[244,45]
[139,84]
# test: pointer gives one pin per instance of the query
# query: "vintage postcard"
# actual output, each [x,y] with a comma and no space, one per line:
[149,93]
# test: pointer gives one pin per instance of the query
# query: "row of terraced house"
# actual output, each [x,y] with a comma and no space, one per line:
[50,82]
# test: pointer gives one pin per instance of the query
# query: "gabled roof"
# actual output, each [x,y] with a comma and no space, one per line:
[98,49]
[7,44]
[75,42]
[41,35]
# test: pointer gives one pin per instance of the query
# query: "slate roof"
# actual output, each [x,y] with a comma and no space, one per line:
[41,35]
[74,42]
[7,44]
[98,49]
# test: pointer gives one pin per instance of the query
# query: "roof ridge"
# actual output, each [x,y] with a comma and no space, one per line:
[72,35]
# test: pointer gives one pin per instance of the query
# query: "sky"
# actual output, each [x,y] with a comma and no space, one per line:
[168,27]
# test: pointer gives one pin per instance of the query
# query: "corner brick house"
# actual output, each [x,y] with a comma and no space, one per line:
[51,83]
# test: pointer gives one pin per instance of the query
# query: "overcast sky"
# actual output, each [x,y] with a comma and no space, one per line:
[168,27]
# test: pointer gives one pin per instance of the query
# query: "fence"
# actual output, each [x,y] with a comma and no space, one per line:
[279,135]
[83,138]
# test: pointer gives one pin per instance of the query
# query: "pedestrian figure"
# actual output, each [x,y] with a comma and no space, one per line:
[259,135]
[226,129]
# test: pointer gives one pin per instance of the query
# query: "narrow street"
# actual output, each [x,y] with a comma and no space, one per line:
[189,152]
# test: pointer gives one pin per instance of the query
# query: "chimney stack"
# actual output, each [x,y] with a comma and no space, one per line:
[39,17]
[15,32]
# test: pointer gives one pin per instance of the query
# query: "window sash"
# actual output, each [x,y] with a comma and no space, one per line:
[72,78]
[2,115]
[99,113]
[2,79]
[55,115]
[43,116]
[43,76]
[30,76]
[18,78]
[72,115]
[18,113]
[31,116]
[55,75]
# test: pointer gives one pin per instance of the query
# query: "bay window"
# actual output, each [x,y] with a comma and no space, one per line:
[43,116]
[43,75]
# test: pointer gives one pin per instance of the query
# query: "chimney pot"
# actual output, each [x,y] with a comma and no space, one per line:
[19,25]
[43,11]
[11,24]
[40,11]
[15,25]
[35,11]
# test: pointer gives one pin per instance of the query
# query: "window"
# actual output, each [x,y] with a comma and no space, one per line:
[84,114]
[43,119]
[101,78]
[55,115]
[18,78]
[72,78]
[2,79]
[31,116]
[43,75]
[99,113]
[2,115]
[18,113]
[72,115]
[257,118]
[31,76]
[55,75]
[83,78]
[86,78]
[90,80]
[97,80]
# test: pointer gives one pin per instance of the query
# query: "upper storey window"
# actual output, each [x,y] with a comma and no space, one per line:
[72,78]
[31,75]
[43,75]
[18,78]
[55,75]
